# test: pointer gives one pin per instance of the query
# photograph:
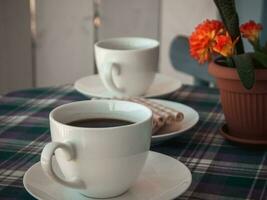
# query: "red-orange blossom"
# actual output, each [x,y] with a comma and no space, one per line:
[209,38]
[202,39]
[251,31]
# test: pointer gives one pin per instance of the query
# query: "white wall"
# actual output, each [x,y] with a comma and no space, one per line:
[130,18]
[64,50]
[180,17]
[15,45]
[65,34]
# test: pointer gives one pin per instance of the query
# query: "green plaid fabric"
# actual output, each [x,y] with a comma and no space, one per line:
[220,169]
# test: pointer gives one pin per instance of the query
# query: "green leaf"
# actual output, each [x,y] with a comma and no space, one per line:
[221,61]
[261,58]
[230,62]
[245,69]
[265,48]
[230,19]
[227,62]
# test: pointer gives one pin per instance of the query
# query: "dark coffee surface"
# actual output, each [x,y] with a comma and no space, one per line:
[99,123]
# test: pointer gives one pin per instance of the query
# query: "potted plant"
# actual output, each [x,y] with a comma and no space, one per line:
[241,77]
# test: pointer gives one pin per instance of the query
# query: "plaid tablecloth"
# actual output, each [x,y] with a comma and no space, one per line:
[220,169]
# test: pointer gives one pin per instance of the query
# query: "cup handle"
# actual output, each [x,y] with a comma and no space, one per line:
[108,70]
[46,163]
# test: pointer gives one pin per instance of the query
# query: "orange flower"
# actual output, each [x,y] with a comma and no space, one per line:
[251,30]
[224,45]
[202,39]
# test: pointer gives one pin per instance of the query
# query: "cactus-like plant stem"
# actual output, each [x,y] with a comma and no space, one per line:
[230,19]
[245,69]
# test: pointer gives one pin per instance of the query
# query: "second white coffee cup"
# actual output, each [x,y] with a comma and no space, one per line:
[127,65]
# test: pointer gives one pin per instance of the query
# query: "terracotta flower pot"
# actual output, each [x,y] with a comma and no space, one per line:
[245,110]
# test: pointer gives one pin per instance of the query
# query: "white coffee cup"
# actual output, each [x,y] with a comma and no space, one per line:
[127,65]
[98,162]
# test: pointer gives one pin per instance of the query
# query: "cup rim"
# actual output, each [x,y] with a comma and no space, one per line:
[52,117]
[154,46]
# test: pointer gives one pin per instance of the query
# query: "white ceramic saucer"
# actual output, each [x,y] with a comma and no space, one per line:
[93,87]
[163,177]
[191,117]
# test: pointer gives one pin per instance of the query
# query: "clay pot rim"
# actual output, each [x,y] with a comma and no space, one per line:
[223,72]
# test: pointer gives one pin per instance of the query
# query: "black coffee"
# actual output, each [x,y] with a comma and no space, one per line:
[99,123]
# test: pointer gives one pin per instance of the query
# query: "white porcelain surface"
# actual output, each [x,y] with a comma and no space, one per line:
[127,65]
[162,178]
[99,162]
[92,86]
[191,117]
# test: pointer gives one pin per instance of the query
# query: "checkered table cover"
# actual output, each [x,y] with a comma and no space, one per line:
[221,170]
